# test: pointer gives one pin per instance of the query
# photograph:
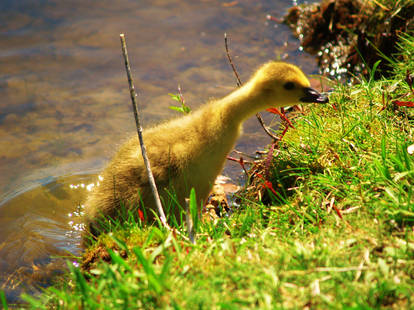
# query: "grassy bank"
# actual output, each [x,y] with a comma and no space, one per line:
[335,229]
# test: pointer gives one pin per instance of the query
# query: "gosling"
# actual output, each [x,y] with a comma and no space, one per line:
[190,151]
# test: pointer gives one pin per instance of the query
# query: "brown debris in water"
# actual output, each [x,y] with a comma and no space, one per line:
[31,278]
[342,31]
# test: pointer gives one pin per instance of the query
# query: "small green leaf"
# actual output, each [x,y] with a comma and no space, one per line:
[194,209]
[175,97]
[179,109]
[186,109]
[3,300]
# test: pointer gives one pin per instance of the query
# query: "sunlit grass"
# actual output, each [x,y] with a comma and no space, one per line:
[339,233]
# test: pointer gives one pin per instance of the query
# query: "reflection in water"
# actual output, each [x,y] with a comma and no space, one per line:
[65,105]
[39,229]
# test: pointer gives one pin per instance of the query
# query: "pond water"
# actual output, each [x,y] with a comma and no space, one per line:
[65,104]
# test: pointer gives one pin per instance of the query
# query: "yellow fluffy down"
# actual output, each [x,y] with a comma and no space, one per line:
[190,151]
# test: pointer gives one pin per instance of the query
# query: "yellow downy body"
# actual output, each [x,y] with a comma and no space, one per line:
[190,151]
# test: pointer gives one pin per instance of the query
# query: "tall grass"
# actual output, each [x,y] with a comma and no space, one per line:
[337,234]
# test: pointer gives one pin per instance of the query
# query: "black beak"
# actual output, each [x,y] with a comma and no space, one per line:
[311,95]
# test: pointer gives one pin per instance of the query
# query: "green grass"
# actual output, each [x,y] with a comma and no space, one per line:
[339,233]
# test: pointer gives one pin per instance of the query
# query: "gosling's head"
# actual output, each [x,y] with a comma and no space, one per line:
[280,84]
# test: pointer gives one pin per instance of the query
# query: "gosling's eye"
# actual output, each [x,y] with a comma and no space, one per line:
[289,85]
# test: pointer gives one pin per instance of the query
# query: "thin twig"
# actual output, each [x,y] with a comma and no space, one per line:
[245,155]
[139,130]
[266,129]
[241,162]
[239,83]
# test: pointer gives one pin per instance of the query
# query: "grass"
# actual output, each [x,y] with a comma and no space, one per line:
[337,233]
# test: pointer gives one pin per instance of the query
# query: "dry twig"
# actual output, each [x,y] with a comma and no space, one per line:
[139,130]
[239,83]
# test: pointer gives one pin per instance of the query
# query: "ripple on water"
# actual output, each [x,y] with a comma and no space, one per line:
[39,230]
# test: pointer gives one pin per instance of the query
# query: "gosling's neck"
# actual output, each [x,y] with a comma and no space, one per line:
[241,104]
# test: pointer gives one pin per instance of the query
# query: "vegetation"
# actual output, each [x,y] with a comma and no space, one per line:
[340,31]
[327,222]
[183,108]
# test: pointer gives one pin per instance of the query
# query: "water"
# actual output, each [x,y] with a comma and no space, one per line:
[39,232]
[65,104]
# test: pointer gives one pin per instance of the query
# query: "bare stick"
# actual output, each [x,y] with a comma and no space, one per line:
[139,130]
[265,128]
[239,83]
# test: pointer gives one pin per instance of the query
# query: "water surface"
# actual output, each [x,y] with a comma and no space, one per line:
[65,107]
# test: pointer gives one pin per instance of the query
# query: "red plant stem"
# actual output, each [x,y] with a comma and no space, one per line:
[269,158]
[282,115]
[283,133]
[267,184]
[240,161]
[409,104]
[337,211]
[272,18]
[141,215]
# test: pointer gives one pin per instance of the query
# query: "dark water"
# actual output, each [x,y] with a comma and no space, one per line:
[64,101]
